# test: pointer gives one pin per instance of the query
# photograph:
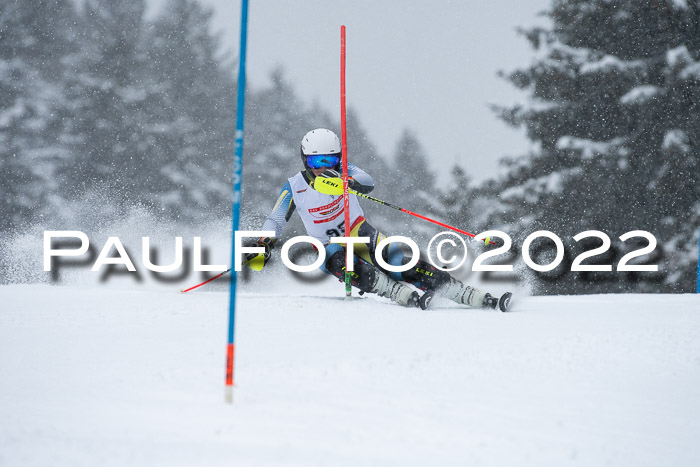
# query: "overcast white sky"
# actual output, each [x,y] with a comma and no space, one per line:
[429,66]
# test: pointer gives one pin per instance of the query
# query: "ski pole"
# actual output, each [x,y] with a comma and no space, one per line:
[441,224]
[207,281]
[329,187]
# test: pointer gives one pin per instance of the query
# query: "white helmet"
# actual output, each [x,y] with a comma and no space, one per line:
[320,142]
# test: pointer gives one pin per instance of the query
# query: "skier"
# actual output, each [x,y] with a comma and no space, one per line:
[323,217]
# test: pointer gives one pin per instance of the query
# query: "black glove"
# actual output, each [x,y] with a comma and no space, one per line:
[257,261]
[330,173]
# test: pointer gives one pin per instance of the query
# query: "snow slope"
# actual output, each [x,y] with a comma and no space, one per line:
[107,376]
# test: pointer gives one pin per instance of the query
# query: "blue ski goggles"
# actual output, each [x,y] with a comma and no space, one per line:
[318,161]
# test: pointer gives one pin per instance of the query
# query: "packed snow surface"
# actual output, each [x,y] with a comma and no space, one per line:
[100,376]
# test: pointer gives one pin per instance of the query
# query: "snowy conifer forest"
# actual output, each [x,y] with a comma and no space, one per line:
[118,120]
[103,110]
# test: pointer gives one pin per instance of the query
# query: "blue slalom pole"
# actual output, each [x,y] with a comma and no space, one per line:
[697,288]
[236,207]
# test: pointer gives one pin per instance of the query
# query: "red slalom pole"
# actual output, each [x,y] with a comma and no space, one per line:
[207,281]
[344,137]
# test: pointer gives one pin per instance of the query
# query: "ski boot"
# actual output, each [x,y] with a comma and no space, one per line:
[463,294]
[384,286]
[368,278]
[471,296]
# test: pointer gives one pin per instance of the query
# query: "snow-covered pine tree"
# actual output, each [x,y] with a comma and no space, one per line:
[615,113]
[192,113]
[362,150]
[411,184]
[102,109]
[363,153]
[276,120]
[36,41]
[111,156]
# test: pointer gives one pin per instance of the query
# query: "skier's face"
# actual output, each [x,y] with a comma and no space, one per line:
[319,171]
